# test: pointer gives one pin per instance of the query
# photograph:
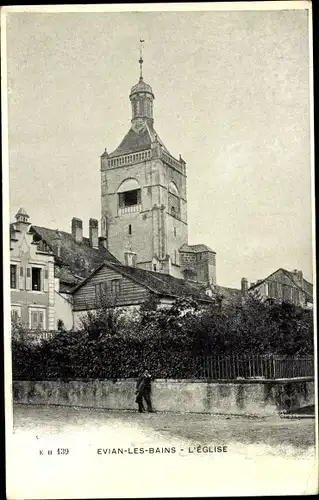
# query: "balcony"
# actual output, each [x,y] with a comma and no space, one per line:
[129,209]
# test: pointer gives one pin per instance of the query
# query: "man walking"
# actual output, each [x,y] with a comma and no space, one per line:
[143,391]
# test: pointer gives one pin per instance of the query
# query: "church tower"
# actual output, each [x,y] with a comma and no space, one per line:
[143,192]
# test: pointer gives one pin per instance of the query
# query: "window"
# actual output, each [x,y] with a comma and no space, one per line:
[13,276]
[37,319]
[130,229]
[100,292]
[154,267]
[115,287]
[130,198]
[175,232]
[46,274]
[28,272]
[36,279]
[15,313]
[21,272]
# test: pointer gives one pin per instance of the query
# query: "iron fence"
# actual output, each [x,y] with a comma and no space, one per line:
[255,367]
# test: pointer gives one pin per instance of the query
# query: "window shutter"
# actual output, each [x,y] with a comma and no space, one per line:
[40,322]
[46,280]
[97,294]
[21,278]
[34,320]
[28,279]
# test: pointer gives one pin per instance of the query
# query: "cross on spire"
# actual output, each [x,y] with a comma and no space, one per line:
[141,58]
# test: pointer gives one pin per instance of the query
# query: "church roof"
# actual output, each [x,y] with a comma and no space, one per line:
[195,248]
[137,141]
[133,142]
[141,86]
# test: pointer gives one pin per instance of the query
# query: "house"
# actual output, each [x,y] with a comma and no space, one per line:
[285,286]
[45,266]
[129,287]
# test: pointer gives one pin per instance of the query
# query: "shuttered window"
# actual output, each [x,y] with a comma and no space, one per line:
[101,290]
[115,287]
[37,319]
[13,276]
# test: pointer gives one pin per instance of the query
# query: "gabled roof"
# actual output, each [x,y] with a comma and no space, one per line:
[195,248]
[159,283]
[302,283]
[80,258]
[137,141]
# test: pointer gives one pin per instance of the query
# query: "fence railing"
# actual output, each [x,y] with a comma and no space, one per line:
[35,336]
[255,366]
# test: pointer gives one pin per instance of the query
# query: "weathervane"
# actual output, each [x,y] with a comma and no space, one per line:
[141,58]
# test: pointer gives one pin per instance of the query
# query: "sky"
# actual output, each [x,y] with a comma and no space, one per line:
[231,96]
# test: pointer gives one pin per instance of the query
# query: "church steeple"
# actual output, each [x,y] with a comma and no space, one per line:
[142,96]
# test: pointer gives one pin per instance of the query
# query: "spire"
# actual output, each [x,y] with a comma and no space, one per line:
[141,59]
[142,96]
[22,216]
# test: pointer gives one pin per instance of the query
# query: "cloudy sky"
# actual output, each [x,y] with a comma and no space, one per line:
[231,95]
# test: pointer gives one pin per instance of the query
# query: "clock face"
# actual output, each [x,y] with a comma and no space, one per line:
[138,126]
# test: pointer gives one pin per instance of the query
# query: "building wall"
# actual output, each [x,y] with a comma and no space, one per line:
[280,288]
[63,308]
[152,227]
[255,398]
[25,255]
[202,263]
[130,293]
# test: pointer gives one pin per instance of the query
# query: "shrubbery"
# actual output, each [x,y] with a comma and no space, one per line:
[169,341]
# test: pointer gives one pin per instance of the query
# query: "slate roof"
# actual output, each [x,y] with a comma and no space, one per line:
[137,141]
[303,284]
[195,248]
[141,86]
[230,295]
[159,283]
[22,212]
[80,259]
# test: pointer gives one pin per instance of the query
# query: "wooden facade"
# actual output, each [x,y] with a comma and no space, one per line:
[280,287]
[111,284]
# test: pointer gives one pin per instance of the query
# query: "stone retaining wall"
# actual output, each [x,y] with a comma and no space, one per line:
[239,397]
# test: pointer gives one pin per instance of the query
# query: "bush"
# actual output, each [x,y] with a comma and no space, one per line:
[170,342]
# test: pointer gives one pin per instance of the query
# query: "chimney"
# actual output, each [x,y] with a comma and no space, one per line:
[103,241]
[57,243]
[77,229]
[94,233]
[244,285]
[129,257]
[298,274]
